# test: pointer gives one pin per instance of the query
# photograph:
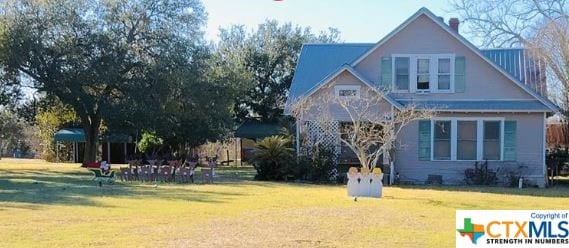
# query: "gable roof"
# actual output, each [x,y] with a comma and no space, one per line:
[349,69]
[474,49]
[317,61]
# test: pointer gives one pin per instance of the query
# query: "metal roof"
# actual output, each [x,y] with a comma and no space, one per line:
[519,63]
[258,130]
[317,61]
[78,135]
[70,134]
[480,105]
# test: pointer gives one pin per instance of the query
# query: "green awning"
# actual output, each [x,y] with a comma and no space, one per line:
[77,135]
[258,130]
[70,134]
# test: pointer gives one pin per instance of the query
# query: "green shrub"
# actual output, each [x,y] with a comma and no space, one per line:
[323,167]
[480,174]
[319,165]
[273,158]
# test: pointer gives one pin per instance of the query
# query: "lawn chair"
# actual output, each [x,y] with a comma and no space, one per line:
[185,175]
[165,174]
[133,165]
[101,177]
[145,174]
[126,174]
[207,175]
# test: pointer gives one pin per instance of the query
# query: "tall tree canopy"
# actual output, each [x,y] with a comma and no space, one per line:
[263,62]
[542,26]
[120,61]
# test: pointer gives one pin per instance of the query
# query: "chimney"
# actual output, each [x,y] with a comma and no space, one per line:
[453,23]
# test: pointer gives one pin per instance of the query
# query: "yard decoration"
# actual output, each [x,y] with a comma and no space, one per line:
[364,184]
[102,172]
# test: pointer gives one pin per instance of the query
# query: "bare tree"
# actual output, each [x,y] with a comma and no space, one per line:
[540,25]
[372,123]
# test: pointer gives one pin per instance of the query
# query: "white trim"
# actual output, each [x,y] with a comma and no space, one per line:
[339,87]
[433,72]
[479,139]
[479,136]
[453,140]
[430,15]
[349,69]
[543,140]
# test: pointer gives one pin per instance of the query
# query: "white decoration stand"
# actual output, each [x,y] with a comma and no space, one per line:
[365,185]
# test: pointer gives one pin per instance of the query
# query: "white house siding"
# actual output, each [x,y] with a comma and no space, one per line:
[529,150]
[423,36]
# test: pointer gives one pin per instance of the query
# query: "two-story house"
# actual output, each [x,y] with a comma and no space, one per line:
[494,102]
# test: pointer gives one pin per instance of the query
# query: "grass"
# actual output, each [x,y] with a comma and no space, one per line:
[58,205]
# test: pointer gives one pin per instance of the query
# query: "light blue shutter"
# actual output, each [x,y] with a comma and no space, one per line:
[459,74]
[425,140]
[386,73]
[510,140]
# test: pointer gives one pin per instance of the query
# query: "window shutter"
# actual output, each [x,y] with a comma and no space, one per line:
[510,140]
[386,73]
[425,140]
[459,74]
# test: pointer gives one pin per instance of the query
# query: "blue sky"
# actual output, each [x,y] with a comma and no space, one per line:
[357,20]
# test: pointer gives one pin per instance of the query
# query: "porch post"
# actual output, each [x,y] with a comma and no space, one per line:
[108,152]
[74,152]
[125,155]
[297,139]
[388,152]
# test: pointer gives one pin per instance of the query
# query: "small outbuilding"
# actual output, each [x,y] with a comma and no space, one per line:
[114,147]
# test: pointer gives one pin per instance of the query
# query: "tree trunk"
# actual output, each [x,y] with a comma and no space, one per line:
[91,129]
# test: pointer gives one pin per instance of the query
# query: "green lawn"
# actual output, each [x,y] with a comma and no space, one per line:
[45,204]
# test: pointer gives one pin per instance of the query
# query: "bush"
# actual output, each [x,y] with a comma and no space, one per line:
[480,174]
[273,158]
[319,165]
[323,167]
[512,175]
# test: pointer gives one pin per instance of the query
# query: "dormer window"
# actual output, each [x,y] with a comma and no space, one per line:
[402,73]
[423,73]
[347,90]
[444,74]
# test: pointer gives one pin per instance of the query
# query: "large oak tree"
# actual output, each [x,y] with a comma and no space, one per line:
[108,59]
[262,62]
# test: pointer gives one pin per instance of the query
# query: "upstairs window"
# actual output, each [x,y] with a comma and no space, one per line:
[347,90]
[402,73]
[443,74]
[423,73]
[423,76]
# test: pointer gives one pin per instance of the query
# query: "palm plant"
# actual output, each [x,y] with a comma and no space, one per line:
[272,158]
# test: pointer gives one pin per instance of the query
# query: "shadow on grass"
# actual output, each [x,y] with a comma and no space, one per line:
[78,188]
[555,191]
